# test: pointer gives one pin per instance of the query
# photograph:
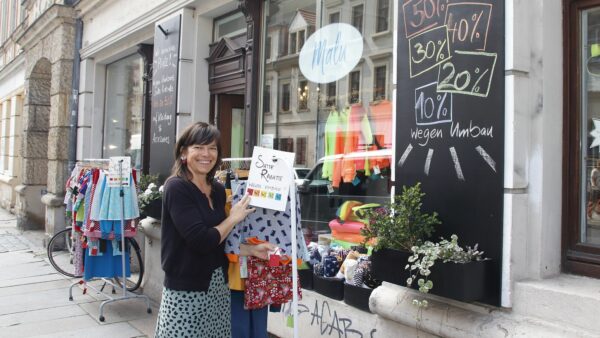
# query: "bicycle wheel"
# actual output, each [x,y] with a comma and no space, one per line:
[136,266]
[60,253]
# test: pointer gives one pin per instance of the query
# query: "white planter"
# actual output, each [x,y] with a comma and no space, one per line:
[154,275]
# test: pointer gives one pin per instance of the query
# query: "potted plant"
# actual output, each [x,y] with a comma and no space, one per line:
[150,197]
[446,269]
[397,227]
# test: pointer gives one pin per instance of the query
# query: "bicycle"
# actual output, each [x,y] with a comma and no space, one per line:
[60,252]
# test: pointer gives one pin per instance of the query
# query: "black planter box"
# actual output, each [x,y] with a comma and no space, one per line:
[463,282]
[357,296]
[154,209]
[306,278]
[388,265]
[329,286]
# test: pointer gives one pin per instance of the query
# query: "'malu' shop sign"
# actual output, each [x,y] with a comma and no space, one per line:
[331,53]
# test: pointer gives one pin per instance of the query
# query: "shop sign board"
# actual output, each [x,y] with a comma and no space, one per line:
[450,118]
[331,53]
[165,68]
[269,178]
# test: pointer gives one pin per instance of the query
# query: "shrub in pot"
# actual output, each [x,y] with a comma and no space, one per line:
[448,270]
[397,227]
[150,197]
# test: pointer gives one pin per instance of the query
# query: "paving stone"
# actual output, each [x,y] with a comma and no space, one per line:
[118,330]
[30,280]
[55,327]
[119,311]
[46,314]
[27,270]
[28,288]
[39,300]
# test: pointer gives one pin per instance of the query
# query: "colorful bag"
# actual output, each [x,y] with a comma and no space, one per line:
[267,285]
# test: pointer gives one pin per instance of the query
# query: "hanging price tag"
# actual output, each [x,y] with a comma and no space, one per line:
[329,188]
[243,267]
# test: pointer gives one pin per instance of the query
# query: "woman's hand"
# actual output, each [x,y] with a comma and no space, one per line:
[240,210]
[262,250]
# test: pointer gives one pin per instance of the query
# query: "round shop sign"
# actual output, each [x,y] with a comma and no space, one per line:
[331,53]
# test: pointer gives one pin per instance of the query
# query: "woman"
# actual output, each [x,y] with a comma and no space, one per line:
[196,299]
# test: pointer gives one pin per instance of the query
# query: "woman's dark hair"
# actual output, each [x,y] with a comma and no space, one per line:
[198,133]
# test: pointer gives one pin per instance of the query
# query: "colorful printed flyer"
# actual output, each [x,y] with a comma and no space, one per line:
[270,177]
[119,171]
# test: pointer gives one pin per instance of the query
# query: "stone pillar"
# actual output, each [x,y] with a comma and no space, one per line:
[34,144]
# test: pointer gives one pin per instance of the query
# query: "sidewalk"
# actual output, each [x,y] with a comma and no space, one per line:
[34,298]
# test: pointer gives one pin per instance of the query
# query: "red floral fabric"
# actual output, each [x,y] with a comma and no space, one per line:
[268,284]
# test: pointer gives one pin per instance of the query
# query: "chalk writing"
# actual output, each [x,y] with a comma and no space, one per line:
[469,73]
[457,166]
[432,107]
[420,15]
[468,25]
[427,50]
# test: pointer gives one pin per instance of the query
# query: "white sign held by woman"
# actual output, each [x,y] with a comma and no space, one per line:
[269,178]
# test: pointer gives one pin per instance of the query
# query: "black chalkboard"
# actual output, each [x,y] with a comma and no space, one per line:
[165,66]
[450,118]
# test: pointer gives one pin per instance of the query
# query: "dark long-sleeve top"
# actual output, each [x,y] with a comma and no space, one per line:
[190,250]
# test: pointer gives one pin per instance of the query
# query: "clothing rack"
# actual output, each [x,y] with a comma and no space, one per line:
[103,165]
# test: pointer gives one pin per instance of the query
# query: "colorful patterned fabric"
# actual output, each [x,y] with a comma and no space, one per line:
[268,225]
[268,285]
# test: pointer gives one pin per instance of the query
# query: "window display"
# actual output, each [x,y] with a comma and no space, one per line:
[339,113]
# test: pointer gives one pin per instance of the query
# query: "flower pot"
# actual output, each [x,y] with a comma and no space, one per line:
[306,278]
[357,296]
[154,209]
[464,282]
[388,265]
[329,286]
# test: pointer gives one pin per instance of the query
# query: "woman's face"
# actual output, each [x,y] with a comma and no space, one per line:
[201,158]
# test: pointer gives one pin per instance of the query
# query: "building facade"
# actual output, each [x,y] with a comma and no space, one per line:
[242,66]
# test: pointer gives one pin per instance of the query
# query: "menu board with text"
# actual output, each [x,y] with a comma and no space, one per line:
[450,118]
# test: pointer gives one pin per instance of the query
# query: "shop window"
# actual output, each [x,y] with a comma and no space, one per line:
[290,23]
[581,244]
[357,17]
[379,92]
[303,95]
[301,150]
[285,97]
[267,100]
[383,14]
[123,109]
[354,87]
[331,94]
[334,17]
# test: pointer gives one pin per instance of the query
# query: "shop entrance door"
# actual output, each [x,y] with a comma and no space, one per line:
[230,121]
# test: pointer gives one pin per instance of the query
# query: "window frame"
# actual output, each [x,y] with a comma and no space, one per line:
[378,17]
[349,96]
[362,19]
[300,90]
[284,83]
[301,153]
[386,79]
[577,257]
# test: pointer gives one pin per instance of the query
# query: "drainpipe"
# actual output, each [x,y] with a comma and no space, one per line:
[74,101]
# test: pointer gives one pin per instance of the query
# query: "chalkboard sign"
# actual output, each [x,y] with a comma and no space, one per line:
[450,118]
[165,65]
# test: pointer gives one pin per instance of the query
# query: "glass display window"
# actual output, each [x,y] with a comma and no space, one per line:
[123,109]
[340,128]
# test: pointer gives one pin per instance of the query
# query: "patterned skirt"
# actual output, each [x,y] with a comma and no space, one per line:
[196,313]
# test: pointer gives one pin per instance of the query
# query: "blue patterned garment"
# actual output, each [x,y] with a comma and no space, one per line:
[268,225]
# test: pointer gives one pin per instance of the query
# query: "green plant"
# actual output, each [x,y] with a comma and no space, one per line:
[400,224]
[149,190]
[425,255]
